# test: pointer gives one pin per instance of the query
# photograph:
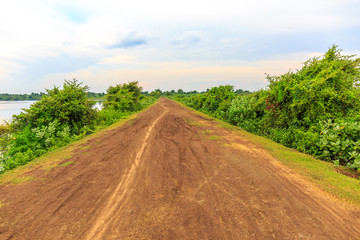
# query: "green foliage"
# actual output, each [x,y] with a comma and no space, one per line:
[4,140]
[123,97]
[95,96]
[4,129]
[324,88]
[109,115]
[215,102]
[49,123]
[314,110]
[340,141]
[156,93]
[246,111]
[17,97]
[29,143]
[69,106]
[218,100]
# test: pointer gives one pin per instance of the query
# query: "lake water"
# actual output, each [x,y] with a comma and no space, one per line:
[9,108]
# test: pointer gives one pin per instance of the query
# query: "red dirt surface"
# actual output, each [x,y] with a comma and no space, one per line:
[171,174]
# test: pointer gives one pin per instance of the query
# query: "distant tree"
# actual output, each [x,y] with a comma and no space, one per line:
[192,92]
[156,93]
[158,90]
[123,97]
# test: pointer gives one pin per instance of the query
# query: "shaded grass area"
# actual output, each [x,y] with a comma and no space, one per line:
[57,157]
[324,175]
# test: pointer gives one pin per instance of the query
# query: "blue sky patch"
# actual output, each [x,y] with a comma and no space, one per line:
[130,41]
[74,15]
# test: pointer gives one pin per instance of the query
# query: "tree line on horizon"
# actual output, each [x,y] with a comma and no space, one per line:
[101,95]
[38,96]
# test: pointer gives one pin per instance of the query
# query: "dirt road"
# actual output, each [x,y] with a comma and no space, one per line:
[171,174]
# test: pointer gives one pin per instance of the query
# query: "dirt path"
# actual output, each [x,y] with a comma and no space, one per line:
[171,174]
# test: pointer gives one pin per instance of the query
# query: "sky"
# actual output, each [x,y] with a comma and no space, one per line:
[189,45]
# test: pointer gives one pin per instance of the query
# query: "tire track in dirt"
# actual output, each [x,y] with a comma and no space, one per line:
[208,183]
[117,196]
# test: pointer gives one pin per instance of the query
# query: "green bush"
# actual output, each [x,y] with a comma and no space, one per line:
[123,97]
[324,88]
[314,110]
[246,111]
[69,106]
[215,102]
[340,142]
[49,123]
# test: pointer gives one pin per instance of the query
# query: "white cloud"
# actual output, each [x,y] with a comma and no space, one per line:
[174,75]
[182,38]
[189,39]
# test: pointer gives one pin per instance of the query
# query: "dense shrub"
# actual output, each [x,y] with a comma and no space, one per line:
[70,106]
[314,110]
[340,142]
[53,121]
[247,111]
[215,102]
[123,97]
[324,88]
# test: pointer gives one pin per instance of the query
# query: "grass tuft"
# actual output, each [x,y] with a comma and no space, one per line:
[66,164]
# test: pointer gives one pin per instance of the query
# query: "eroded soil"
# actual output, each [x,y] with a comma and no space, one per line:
[171,174]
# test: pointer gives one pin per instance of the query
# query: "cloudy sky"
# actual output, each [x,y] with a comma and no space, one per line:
[167,44]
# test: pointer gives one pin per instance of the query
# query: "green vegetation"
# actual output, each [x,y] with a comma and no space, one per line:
[68,107]
[96,96]
[18,97]
[62,116]
[315,110]
[123,97]
[38,96]
[4,136]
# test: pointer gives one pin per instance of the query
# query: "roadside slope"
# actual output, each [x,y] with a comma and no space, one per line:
[171,174]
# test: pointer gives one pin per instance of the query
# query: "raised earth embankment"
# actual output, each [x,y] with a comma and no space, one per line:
[170,174]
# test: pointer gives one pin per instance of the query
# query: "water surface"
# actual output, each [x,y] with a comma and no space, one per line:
[9,108]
